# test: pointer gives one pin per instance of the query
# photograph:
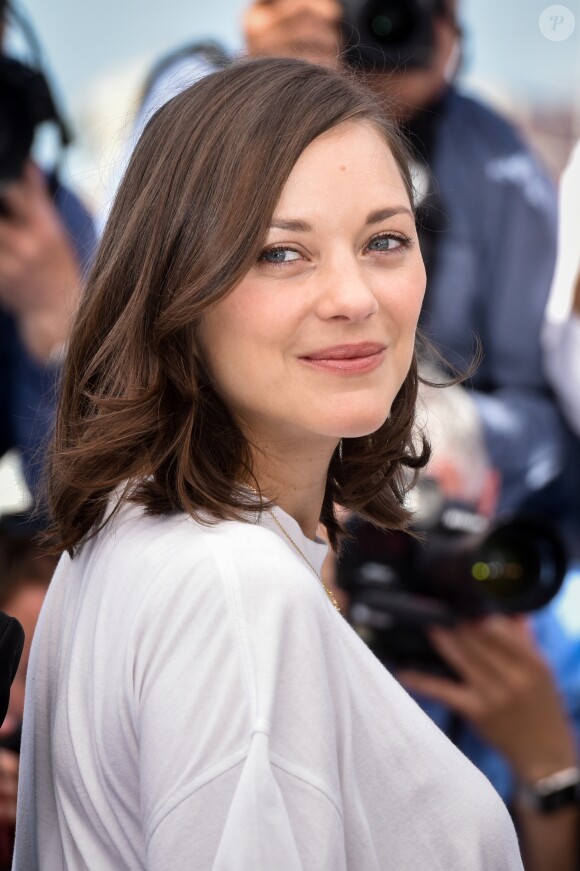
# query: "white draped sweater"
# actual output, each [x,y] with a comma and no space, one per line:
[195,701]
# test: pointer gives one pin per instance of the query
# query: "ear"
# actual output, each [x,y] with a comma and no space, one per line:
[448,476]
[490,493]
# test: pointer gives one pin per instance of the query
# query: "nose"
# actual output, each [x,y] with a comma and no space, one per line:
[346,291]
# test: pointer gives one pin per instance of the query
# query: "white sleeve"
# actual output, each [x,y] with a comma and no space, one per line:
[214,795]
[260,813]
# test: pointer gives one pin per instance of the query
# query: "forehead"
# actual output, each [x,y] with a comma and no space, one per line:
[353,159]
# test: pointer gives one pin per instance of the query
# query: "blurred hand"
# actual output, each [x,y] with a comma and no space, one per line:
[307,29]
[39,273]
[8,786]
[507,693]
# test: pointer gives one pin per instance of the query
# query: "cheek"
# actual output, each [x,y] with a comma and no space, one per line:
[412,296]
[237,339]
[404,308]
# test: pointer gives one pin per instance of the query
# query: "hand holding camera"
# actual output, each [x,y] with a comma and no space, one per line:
[507,692]
[39,272]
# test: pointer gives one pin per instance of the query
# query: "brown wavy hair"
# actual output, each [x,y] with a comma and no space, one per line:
[138,413]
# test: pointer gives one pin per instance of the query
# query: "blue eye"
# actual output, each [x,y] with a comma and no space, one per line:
[390,242]
[279,255]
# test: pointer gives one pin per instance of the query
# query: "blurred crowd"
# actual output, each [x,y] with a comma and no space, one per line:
[502,253]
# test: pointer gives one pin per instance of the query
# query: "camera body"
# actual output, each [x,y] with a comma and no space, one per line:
[25,102]
[385,35]
[455,565]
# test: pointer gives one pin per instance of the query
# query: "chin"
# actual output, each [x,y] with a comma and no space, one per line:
[361,431]
[356,425]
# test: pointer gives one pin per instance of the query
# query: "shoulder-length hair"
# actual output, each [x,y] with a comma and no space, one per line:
[138,413]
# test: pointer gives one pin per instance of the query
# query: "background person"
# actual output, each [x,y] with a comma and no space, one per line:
[46,240]
[220,354]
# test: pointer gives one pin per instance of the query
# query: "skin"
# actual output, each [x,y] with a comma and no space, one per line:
[350,277]
[307,29]
[39,273]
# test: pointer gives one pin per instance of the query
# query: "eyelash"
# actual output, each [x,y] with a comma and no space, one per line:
[406,242]
[270,250]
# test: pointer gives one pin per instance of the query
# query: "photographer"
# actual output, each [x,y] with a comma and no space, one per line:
[513,706]
[46,240]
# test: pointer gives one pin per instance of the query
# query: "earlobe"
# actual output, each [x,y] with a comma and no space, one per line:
[454,62]
[490,493]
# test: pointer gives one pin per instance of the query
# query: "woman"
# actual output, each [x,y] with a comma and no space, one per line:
[243,359]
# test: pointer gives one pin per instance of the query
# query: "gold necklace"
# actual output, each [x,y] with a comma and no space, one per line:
[329,592]
[287,535]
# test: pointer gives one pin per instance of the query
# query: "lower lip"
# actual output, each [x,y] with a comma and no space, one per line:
[348,365]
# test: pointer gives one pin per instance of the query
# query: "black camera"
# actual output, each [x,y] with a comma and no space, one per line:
[25,102]
[383,35]
[456,566]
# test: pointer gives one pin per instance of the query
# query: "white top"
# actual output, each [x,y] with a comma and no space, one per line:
[561,333]
[194,701]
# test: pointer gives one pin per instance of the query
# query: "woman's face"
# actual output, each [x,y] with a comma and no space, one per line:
[316,340]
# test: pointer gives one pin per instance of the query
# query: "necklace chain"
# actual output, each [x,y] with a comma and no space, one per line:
[329,592]
[287,535]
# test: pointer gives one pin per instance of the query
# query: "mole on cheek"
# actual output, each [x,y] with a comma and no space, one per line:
[343,168]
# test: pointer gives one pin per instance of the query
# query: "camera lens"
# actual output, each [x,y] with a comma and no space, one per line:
[520,565]
[391,24]
[383,35]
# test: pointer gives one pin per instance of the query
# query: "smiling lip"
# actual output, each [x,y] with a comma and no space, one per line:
[347,359]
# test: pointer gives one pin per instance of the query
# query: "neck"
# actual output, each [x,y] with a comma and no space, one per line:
[296,480]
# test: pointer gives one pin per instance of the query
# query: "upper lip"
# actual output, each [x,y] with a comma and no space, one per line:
[347,352]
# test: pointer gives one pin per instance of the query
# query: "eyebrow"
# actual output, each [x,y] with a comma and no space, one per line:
[293,226]
[383,214]
[373,218]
